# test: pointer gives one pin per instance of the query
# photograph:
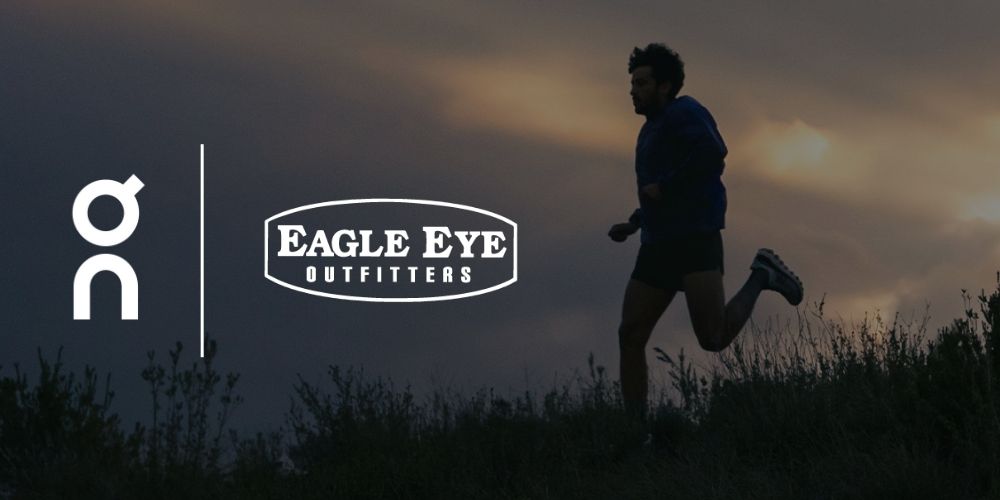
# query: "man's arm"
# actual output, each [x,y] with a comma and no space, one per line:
[621,232]
[636,218]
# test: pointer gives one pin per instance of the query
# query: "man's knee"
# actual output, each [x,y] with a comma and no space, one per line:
[710,338]
[633,334]
[711,345]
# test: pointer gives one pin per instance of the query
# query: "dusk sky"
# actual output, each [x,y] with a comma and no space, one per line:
[863,141]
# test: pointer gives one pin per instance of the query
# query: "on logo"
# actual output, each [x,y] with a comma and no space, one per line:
[125,194]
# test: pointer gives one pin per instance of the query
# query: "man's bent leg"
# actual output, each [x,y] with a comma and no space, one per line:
[643,306]
[716,323]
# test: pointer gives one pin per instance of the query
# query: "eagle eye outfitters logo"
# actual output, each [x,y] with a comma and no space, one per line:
[390,250]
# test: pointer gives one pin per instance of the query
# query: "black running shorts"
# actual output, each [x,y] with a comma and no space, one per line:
[663,264]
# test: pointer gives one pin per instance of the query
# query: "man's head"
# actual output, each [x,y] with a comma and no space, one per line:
[657,76]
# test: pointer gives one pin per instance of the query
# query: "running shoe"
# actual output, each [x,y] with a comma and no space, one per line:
[780,278]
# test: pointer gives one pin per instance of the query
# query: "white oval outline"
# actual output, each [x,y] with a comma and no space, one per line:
[391,299]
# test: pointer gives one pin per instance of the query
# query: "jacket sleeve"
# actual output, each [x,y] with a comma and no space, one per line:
[702,149]
[636,218]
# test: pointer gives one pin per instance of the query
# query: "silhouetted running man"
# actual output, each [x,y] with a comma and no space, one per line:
[679,160]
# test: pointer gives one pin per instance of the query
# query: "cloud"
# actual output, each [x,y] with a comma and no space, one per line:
[986,208]
[534,99]
[992,127]
[798,154]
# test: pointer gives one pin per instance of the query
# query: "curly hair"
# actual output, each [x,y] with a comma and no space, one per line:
[667,65]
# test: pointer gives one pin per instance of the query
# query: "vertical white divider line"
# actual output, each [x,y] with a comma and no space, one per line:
[202,243]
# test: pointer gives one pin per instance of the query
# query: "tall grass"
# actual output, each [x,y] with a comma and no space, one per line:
[809,408]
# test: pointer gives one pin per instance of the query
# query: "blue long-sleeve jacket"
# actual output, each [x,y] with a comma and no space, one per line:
[680,148]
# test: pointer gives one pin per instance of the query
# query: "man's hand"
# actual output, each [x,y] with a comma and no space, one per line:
[651,190]
[621,232]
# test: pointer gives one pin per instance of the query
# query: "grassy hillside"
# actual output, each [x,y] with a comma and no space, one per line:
[810,409]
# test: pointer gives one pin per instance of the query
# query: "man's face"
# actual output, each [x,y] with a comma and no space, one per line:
[647,95]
